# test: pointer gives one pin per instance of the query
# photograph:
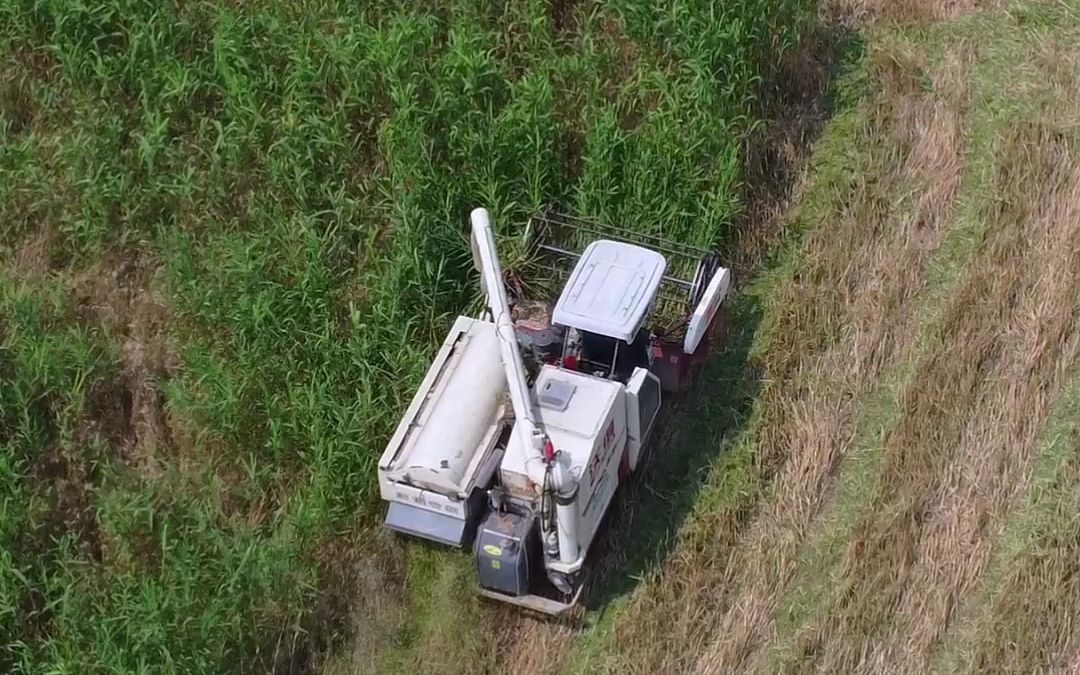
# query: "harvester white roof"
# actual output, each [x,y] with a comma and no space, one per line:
[610,289]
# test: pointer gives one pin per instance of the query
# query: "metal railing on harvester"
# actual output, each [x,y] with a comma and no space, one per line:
[554,241]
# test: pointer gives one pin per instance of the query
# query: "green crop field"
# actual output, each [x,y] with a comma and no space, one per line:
[231,236]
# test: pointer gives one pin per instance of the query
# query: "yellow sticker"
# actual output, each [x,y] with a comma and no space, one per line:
[496,565]
[492,549]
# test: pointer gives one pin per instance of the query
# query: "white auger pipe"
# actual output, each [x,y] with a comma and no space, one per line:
[530,432]
[486,258]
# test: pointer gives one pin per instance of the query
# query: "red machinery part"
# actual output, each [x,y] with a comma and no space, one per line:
[675,367]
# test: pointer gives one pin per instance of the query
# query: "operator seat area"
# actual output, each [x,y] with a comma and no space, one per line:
[598,352]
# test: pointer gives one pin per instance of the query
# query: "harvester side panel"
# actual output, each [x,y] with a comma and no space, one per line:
[443,453]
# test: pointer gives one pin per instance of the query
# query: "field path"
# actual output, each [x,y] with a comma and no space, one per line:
[881,260]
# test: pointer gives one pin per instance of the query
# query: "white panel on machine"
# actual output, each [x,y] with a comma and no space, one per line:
[455,416]
[572,429]
[610,290]
[590,430]
[706,310]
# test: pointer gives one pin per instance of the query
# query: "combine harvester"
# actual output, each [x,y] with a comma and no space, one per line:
[529,419]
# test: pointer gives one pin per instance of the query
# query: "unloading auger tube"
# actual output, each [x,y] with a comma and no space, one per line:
[542,463]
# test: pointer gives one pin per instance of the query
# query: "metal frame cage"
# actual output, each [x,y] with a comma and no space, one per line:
[555,241]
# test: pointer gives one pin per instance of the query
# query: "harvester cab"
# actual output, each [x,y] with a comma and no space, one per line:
[530,418]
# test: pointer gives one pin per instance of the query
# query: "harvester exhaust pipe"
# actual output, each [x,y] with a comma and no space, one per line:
[530,432]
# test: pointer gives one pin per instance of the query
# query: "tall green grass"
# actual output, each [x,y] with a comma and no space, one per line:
[301,174]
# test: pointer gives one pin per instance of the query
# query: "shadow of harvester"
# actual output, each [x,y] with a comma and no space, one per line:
[641,530]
